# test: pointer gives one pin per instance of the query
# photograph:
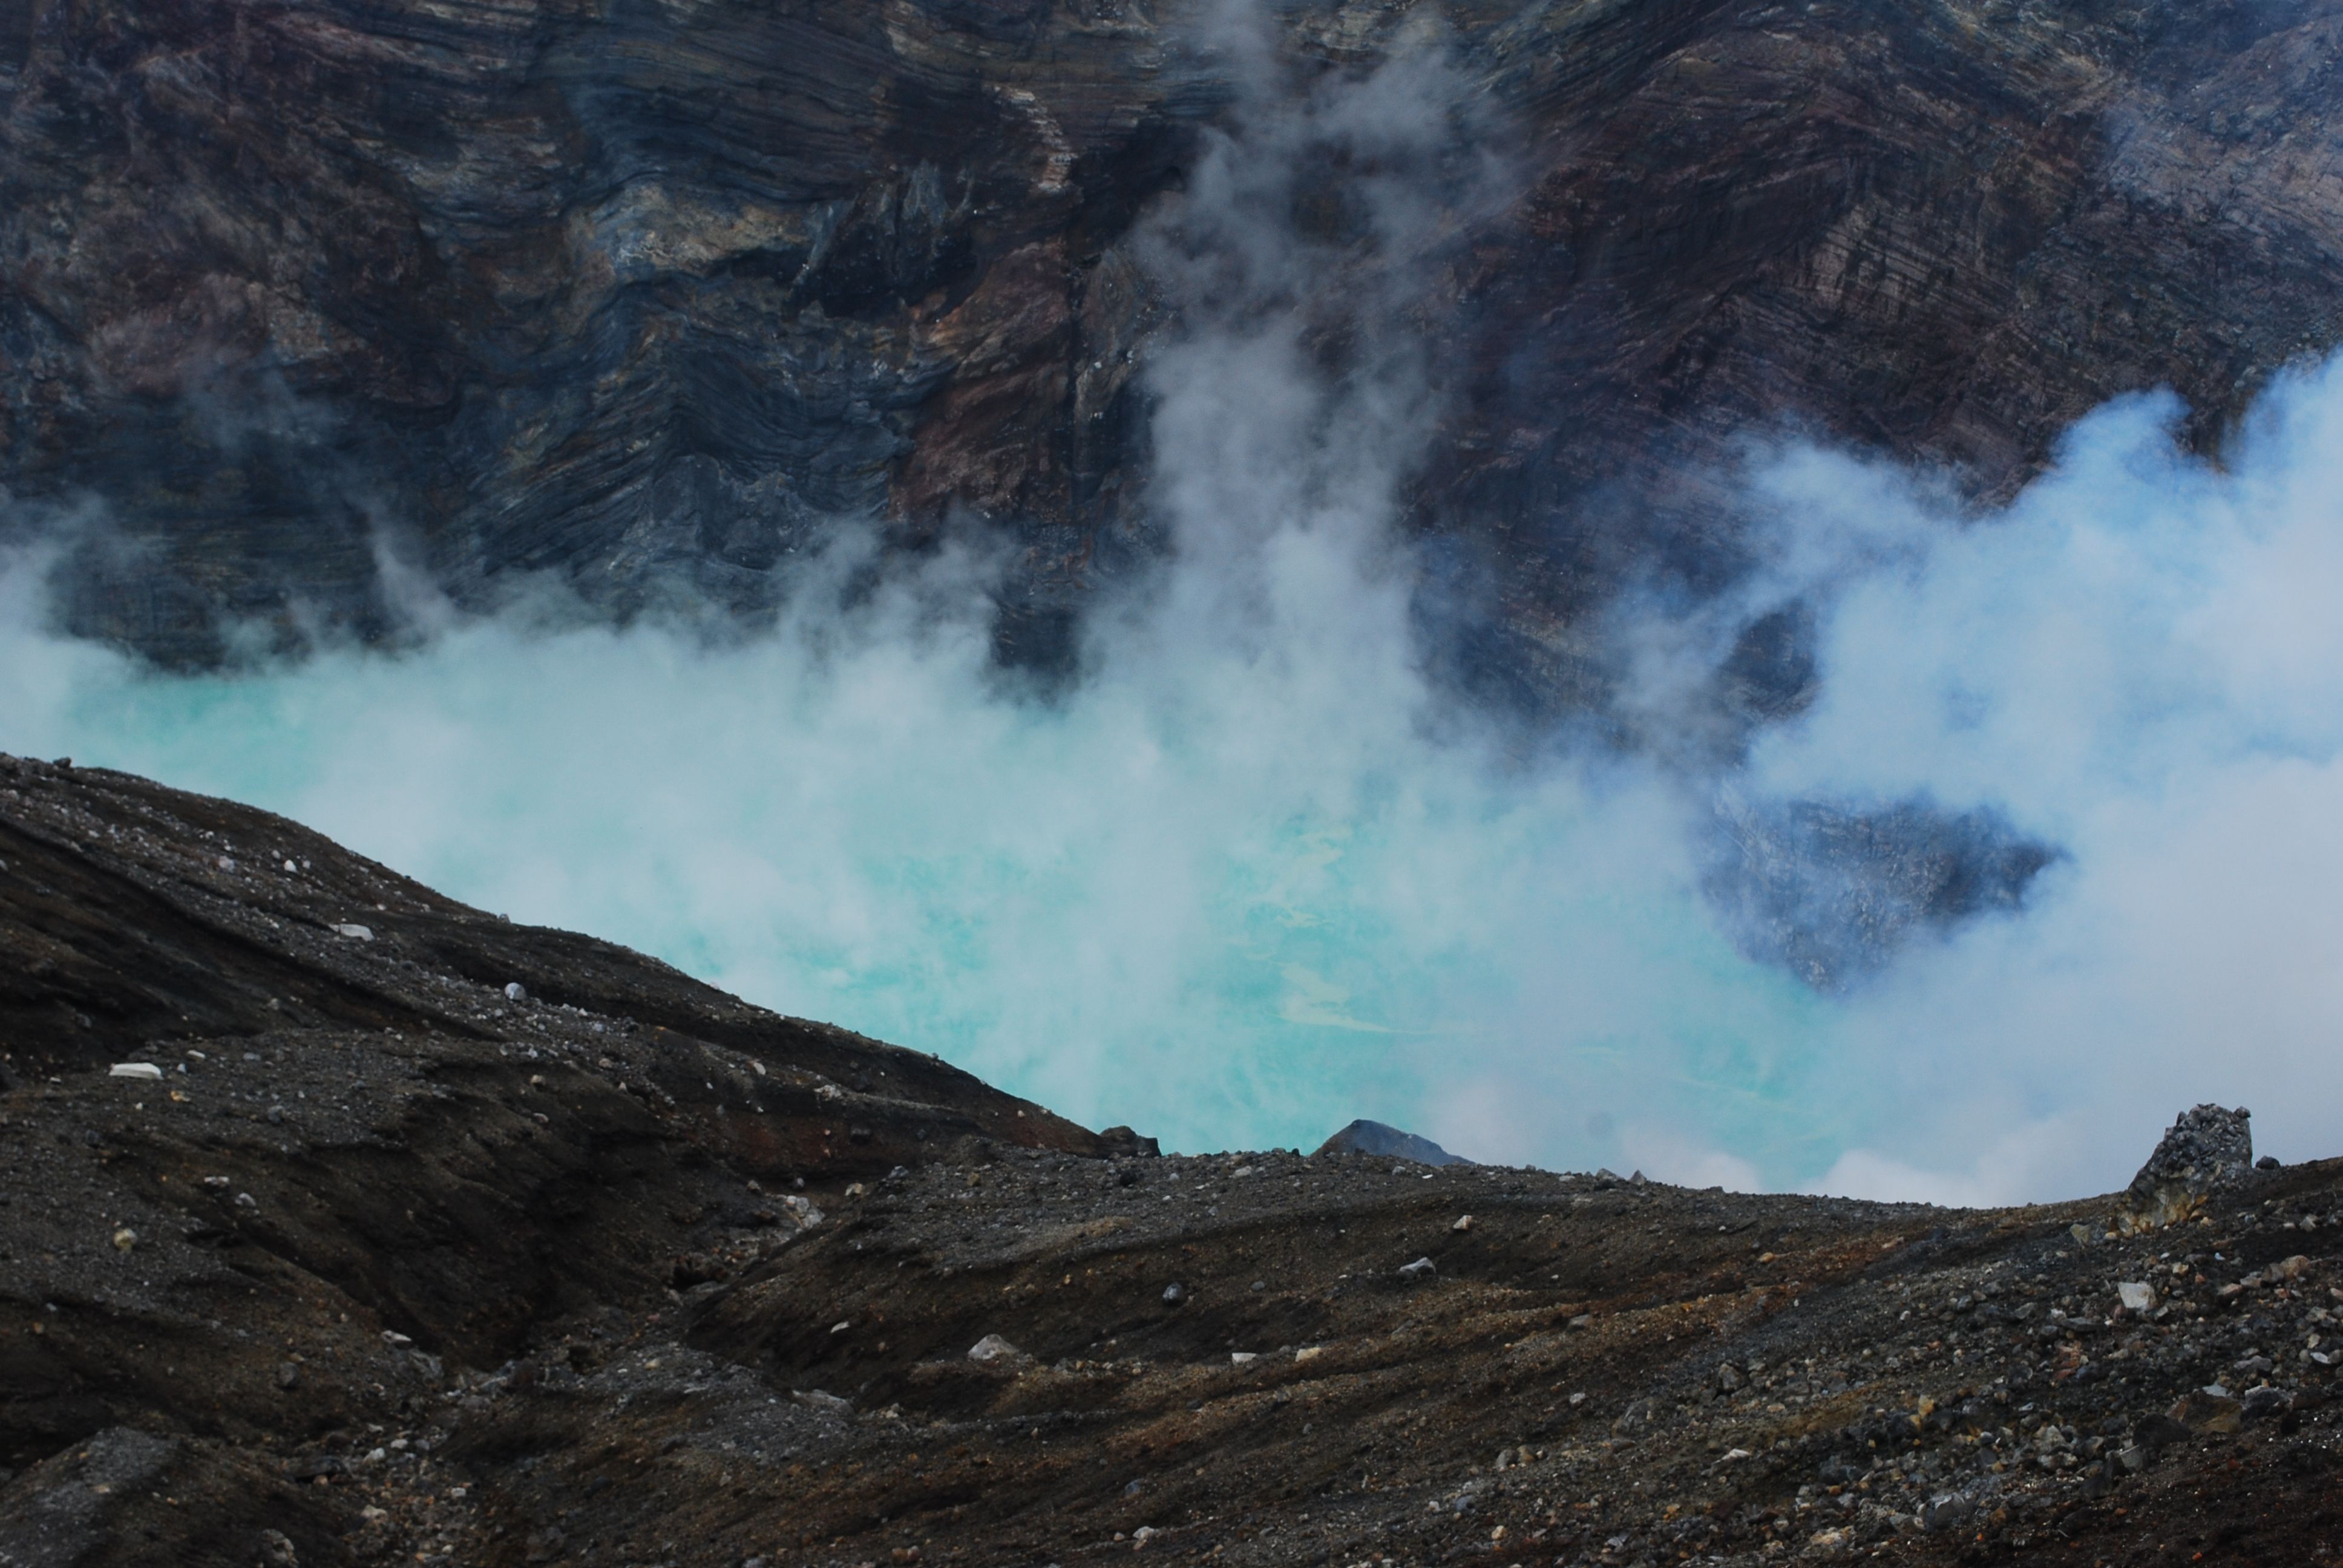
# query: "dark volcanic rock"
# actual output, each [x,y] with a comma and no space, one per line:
[1831,893]
[648,296]
[1364,1137]
[2209,1148]
[600,1272]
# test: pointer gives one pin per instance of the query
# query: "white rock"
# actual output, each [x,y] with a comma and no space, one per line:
[516,991]
[1239,1358]
[1417,1270]
[356,933]
[2136,1296]
[1463,1222]
[134,1069]
[991,1349]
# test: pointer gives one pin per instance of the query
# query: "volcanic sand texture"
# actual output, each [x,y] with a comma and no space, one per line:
[403,1266]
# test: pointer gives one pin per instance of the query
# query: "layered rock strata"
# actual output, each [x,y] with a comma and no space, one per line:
[646,299]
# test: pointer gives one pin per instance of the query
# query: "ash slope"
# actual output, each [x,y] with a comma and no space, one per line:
[644,296]
[404,1268]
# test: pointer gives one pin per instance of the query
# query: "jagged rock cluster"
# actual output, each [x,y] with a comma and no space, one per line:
[2207,1149]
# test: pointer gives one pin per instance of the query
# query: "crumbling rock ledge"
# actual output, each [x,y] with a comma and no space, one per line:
[464,1243]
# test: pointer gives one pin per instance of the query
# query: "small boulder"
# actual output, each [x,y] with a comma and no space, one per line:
[1949,1510]
[2207,1411]
[2259,1403]
[1637,1417]
[994,1351]
[1122,1143]
[1421,1269]
[2136,1296]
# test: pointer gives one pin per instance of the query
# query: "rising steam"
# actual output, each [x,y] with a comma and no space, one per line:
[1253,874]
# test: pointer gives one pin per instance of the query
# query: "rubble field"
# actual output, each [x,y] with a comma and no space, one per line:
[340,1223]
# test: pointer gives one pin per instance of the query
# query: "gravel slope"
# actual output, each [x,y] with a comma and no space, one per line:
[390,1265]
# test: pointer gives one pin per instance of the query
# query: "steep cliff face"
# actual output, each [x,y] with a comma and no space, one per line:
[648,296]
[598,290]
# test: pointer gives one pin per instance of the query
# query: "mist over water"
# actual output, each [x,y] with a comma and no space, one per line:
[1252,875]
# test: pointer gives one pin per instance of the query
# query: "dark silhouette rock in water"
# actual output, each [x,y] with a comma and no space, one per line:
[2209,1148]
[1364,1137]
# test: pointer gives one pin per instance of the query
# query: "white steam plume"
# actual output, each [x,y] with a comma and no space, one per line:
[1252,876]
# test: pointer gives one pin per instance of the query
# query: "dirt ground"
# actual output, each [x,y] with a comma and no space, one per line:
[435,1239]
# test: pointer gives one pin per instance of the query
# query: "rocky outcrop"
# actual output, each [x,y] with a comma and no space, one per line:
[647,298]
[2207,1149]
